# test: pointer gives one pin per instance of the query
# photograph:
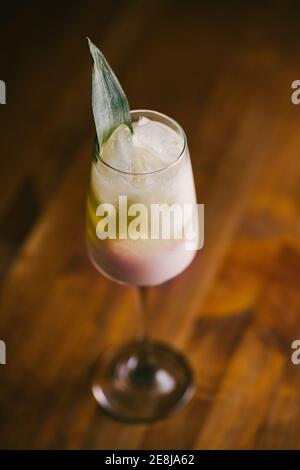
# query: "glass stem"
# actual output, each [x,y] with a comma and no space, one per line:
[144,369]
[142,314]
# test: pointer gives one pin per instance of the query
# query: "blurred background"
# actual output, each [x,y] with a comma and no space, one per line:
[224,71]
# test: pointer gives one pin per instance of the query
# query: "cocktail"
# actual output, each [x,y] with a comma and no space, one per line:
[140,217]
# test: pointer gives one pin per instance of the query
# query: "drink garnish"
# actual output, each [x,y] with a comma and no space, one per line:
[109,102]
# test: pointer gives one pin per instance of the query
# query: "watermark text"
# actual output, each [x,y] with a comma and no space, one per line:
[155,222]
[2,353]
[295,358]
[2,92]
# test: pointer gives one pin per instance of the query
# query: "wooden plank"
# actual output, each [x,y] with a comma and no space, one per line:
[254,374]
[57,313]
[280,430]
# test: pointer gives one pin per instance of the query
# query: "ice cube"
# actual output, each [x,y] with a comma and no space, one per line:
[157,144]
[118,151]
[151,147]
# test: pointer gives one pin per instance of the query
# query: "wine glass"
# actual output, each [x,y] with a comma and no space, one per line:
[143,380]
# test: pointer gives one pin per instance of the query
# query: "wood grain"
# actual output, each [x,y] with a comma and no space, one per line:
[225,73]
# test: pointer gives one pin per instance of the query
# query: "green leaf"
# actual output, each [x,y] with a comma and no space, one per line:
[109,102]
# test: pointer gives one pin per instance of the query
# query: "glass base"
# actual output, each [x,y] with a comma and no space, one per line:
[142,381]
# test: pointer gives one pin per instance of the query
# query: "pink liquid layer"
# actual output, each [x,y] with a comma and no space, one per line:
[141,269]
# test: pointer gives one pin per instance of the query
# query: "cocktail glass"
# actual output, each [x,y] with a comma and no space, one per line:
[143,380]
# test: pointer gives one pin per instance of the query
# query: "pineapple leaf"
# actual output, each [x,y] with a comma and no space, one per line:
[109,102]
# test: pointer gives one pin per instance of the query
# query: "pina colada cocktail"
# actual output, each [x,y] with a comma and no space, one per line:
[142,230]
[150,172]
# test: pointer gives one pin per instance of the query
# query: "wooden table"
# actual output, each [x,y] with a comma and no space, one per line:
[225,74]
